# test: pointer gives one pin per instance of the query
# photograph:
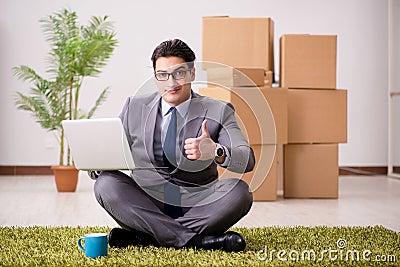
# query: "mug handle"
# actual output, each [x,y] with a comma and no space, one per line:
[80,244]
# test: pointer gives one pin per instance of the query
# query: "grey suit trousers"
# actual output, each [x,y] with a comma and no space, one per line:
[133,209]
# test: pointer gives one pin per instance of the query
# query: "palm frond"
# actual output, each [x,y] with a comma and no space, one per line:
[98,46]
[98,25]
[59,27]
[45,100]
[38,109]
[102,97]
[26,73]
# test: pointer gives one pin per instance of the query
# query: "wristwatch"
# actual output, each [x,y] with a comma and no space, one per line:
[219,151]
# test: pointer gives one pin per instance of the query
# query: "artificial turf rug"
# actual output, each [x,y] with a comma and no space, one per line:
[274,246]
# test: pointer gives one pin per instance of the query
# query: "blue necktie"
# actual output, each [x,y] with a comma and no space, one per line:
[170,140]
[172,197]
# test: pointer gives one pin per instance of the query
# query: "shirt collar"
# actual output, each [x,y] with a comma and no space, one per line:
[182,108]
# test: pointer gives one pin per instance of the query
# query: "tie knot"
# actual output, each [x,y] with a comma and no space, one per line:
[171,110]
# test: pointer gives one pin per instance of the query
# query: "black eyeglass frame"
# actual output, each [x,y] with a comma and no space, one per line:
[172,74]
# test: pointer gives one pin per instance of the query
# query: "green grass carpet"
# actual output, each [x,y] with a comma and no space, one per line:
[271,246]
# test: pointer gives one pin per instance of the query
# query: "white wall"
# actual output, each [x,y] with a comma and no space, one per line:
[361,26]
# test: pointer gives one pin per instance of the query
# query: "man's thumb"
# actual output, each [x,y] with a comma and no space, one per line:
[204,131]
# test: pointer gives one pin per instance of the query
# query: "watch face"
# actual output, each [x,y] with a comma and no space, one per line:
[220,152]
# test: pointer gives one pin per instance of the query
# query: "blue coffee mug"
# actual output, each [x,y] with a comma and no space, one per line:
[96,245]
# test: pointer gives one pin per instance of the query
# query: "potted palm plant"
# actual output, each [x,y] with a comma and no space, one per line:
[76,52]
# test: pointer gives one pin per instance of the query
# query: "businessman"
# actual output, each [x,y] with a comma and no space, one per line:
[179,137]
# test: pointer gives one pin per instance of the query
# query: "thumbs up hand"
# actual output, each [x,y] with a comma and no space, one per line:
[202,147]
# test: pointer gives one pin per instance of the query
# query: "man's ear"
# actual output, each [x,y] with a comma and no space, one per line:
[192,74]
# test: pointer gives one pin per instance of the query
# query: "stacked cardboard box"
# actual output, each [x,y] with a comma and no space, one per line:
[239,42]
[236,77]
[262,116]
[317,116]
[238,51]
[243,50]
[308,61]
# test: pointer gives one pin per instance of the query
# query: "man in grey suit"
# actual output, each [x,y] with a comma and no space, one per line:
[181,137]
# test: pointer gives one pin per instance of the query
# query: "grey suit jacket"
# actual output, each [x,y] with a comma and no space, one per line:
[139,116]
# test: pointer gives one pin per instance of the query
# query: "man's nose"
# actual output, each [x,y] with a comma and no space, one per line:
[171,82]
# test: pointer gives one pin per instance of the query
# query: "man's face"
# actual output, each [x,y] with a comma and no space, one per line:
[177,88]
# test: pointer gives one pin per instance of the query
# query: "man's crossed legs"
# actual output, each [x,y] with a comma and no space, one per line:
[144,222]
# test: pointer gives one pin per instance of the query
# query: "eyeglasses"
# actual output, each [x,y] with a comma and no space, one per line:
[177,75]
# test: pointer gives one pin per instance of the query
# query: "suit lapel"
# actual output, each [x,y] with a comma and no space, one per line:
[149,116]
[195,118]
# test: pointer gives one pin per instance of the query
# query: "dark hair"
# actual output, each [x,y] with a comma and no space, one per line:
[173,48]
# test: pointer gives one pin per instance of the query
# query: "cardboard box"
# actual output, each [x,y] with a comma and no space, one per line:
[308,61]
[261,112]
[311,171]
[239,42]
[269,79]
[317,116]
[233,77]
[264,178]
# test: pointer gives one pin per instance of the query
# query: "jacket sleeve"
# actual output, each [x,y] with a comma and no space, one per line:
[241,154]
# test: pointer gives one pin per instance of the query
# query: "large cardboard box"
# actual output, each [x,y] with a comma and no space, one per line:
[233,77]
[263,179]
[317,116]
[308,61]
[239,42]
[311,171]
[261,112]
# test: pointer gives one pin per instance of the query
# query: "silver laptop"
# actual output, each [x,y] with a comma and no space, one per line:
[99,144]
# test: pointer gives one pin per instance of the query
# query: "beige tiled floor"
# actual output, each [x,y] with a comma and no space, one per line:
[363,200]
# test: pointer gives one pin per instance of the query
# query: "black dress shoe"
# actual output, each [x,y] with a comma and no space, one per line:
[229,241]
[122,238]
